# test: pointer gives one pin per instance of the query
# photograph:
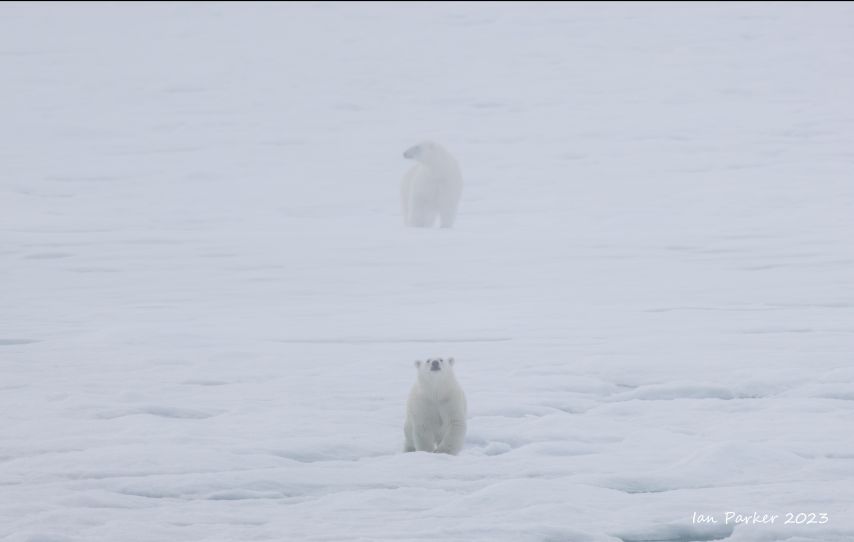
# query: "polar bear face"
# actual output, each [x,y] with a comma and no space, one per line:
[426,152]
[434,369]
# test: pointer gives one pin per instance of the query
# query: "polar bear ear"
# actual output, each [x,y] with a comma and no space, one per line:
[417,363]
[412,152]
[450,361]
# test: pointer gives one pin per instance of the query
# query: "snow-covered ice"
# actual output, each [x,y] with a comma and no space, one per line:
[209,307]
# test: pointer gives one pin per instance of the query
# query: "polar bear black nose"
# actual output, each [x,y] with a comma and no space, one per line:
[434,365]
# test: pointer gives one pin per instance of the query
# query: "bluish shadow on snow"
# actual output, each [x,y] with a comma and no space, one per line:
[159,411]
[379,340]
[16,342]
[688,390]
[678,533]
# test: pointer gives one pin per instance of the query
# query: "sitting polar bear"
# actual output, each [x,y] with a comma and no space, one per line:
[436,410]
[431,188]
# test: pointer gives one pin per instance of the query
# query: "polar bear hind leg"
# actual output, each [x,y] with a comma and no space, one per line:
[447,218]
[422,216]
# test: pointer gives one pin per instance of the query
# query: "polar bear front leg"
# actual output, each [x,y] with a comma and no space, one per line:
[453,439]
[453,414]
[424,439]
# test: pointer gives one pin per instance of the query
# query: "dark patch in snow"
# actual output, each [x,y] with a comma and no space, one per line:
[93,270]
[394,341]
[679,533]
[204,383]
[15,342]
[777,331]
[713,309]
[48,256]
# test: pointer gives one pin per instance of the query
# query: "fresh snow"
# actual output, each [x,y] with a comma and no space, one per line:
[210,307]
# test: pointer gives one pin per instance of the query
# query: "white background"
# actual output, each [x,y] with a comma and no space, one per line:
[209,307]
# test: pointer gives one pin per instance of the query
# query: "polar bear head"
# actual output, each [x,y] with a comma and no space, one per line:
[435,369]
[427,152]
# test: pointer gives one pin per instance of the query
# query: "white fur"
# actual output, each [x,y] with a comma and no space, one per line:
[431,188]
[436,410]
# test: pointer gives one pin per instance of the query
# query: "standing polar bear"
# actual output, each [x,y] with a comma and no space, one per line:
[431,188]
[436,410]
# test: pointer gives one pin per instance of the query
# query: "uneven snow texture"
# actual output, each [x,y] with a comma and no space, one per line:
[209,306]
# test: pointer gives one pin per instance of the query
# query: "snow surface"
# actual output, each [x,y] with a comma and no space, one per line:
[209,307]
